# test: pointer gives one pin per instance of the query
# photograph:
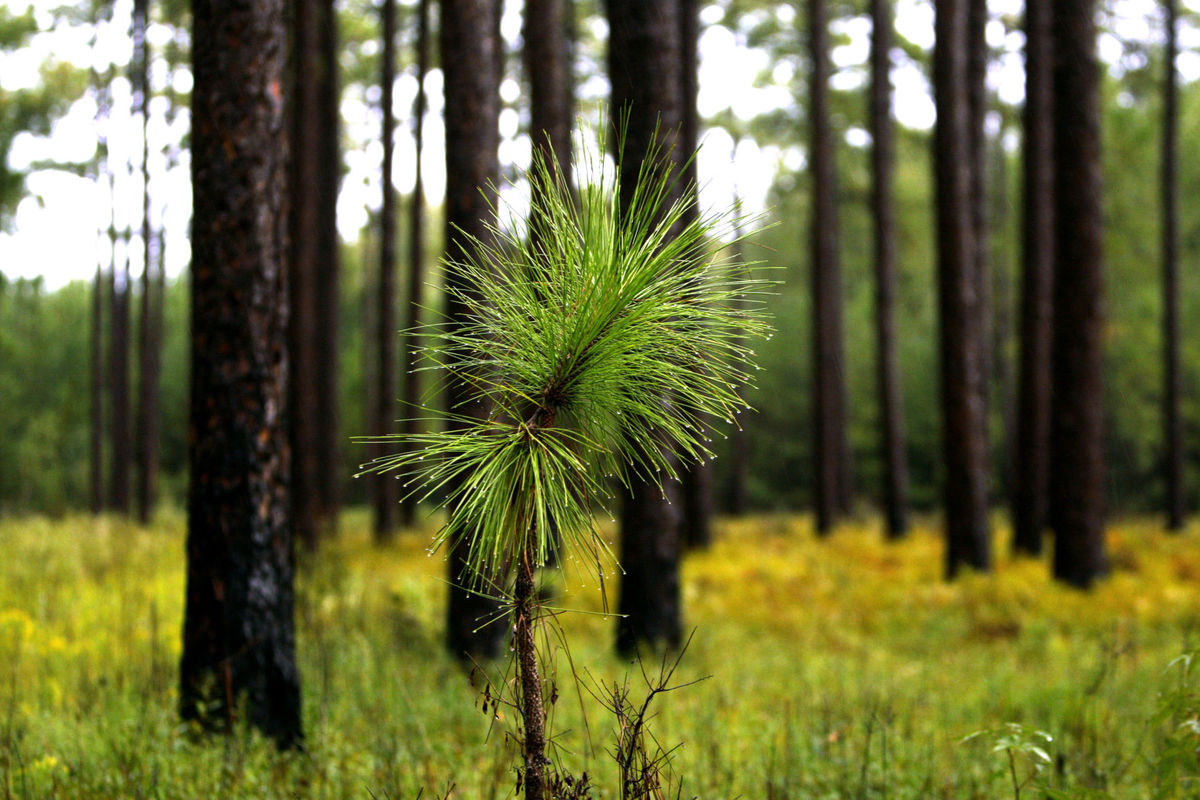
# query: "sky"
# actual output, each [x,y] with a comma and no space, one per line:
[57,227]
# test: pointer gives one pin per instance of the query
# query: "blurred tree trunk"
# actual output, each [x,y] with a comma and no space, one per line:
[739,442]
[303,416]
[329,176]
[149,334]
[1030,460]
[644,68]
[548,71]
[416,255]
[469,46]
[96,426]
[830,451]
[968,538]
[697,486]
[118,379]
[1077,469]
[883,154]
[1173,388]
[977,104]
[385,494]
[238,634]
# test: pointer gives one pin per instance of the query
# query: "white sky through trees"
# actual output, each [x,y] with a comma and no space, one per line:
[57,230]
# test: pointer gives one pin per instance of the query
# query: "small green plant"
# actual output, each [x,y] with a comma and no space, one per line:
[606,338]
[1025,748]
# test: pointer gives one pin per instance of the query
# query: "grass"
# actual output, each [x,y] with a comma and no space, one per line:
[839,669]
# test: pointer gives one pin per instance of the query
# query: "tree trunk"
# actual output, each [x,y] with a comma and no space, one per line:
[830,451]
[533,711]
[977,104]
[968,539]
[697,487]
[644,68]
[1173,388]
[1077,470]
[329,176]
[548,71]
[739,442]
[118,382]
[1030,458]
[238,634]
[416,255]
[469,46]
[96,428]
[149,334]
[303,417]
[385,494]
[895,464]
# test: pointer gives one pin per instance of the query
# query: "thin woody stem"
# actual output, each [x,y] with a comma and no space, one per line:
[532,709]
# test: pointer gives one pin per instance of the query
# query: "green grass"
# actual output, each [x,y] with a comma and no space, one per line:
[843,668]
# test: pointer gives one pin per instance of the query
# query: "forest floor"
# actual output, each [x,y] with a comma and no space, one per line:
[844,668]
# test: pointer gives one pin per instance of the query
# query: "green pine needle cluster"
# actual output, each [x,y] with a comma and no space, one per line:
[598,340]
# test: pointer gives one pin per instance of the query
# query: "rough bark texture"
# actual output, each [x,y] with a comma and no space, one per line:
[385,493]
[329,177]
[238,634]
[1030,461]
[895,464]
[830,450]
[303,417]
[1077,469]
[1172,388]
[644,65]
[533,711]
[469,48]
[416,253]
[150,331]
[697,487]
[968,539]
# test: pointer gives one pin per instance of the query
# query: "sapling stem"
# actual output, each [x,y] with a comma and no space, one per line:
[533,711]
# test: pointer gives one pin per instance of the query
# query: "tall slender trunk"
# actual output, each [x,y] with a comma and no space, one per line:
[118,377]
[644,66]
[469,46]
[1030,461]
[533,712]
[149,335]
[416,255]
[1172,388]
[977,105]
[895,464]
[303,412]
[697,488]
[96,427]
[1077,470]
[968,538]
[739,443]
[830,451]
[329,176]
[385,313]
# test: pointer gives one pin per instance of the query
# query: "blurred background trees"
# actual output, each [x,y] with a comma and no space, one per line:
[50,420]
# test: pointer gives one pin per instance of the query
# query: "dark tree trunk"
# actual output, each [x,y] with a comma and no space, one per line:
[1077,469]
[1000,342]
[118,384]
[644,67]
[385,494]
[303,416]
[697,486]
[1030,461]
[238,634]
[329,176]
[548,71]
[149,334]
[977,103]
[416,254]
[1173,388]
[968,539]
[469,46]
[883,154]
[96,427]
[830,450]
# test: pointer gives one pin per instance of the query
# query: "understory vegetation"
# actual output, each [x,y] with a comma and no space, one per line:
[825,668]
